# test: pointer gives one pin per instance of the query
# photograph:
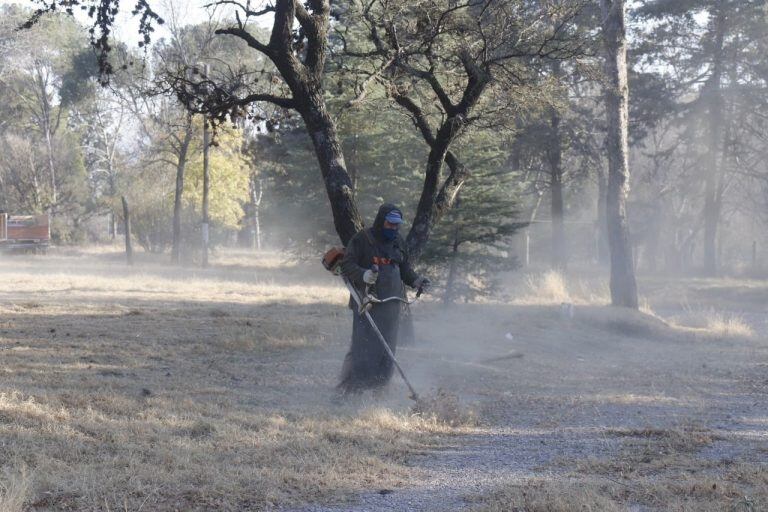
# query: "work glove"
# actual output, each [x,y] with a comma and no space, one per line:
[370,276]
[422,284]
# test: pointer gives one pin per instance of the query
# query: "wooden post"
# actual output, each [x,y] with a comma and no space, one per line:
[127,228]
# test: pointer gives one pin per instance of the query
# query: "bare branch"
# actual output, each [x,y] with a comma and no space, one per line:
[248,12]
[417,114]
[249,38]
[363,89]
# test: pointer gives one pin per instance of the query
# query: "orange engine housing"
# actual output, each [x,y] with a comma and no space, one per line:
[332,259]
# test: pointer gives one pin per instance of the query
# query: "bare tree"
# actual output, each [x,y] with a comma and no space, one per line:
[453,65]
[299,57]
[180,145]
[127,229]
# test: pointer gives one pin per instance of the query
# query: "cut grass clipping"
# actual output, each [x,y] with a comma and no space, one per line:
[445,407]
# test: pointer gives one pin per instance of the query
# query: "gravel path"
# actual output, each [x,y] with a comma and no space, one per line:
[578,382]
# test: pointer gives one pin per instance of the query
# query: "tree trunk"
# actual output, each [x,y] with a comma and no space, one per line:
[180,167]
[559,257]
[424,219]
[713,93]
[206,190]
[127,228]
[256,196]
[437,199]
[353,163]
[47,112]
[527,238]
[450,282]
[112,225]
[601,229]
[338,185]
[623,285]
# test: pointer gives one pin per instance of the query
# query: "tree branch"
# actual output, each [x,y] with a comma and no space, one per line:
[418,116]
[249,38]
[248,12]
[315,27]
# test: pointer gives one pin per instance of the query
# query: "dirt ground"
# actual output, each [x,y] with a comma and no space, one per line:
[156,388]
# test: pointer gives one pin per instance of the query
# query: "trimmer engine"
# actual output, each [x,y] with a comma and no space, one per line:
[332,259]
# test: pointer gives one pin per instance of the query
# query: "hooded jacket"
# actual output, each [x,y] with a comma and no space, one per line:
[368,247]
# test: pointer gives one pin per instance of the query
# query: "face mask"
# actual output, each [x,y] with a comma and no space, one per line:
[388,234]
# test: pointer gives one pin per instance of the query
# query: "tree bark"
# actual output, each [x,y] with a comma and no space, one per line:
[256,196]
[623,285]
[527,238]
[338,185]
[426,217]
[46,115]
[713,94]
[602,251]
[112,225]
[180,167]
[304,78]
[450,282]
[436,199]
[559,257]
[127,228]
[206,191]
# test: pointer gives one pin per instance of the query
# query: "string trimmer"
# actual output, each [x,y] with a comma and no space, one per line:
[332,262]
[370,298]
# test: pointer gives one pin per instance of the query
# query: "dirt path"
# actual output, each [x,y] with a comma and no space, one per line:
[580,385]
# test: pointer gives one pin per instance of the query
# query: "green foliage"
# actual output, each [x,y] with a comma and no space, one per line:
[44,78]
[229,173]
[474,242]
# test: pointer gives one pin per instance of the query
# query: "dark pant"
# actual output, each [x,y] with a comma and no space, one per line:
[367,364]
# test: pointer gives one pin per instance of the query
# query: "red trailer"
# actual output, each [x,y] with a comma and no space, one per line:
[25,232]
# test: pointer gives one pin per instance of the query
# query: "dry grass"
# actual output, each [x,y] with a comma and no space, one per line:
[711,324]
[444,407]
[14,489]
[655,469]
[547,288]
[191,456]
[741,488]
[280,331]
[725,326]
[179,389]
[543,495]
[553,287]
[162,389]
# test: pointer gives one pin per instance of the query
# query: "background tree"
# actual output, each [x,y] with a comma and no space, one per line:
[705,46]
[622,283]
[448,65]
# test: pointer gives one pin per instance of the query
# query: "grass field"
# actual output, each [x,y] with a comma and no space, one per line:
[180,389]
[159,389]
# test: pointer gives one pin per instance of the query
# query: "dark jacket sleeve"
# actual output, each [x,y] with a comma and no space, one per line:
[407,274]
[354,255]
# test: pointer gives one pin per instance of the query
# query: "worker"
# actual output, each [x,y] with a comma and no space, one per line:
[376,257]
